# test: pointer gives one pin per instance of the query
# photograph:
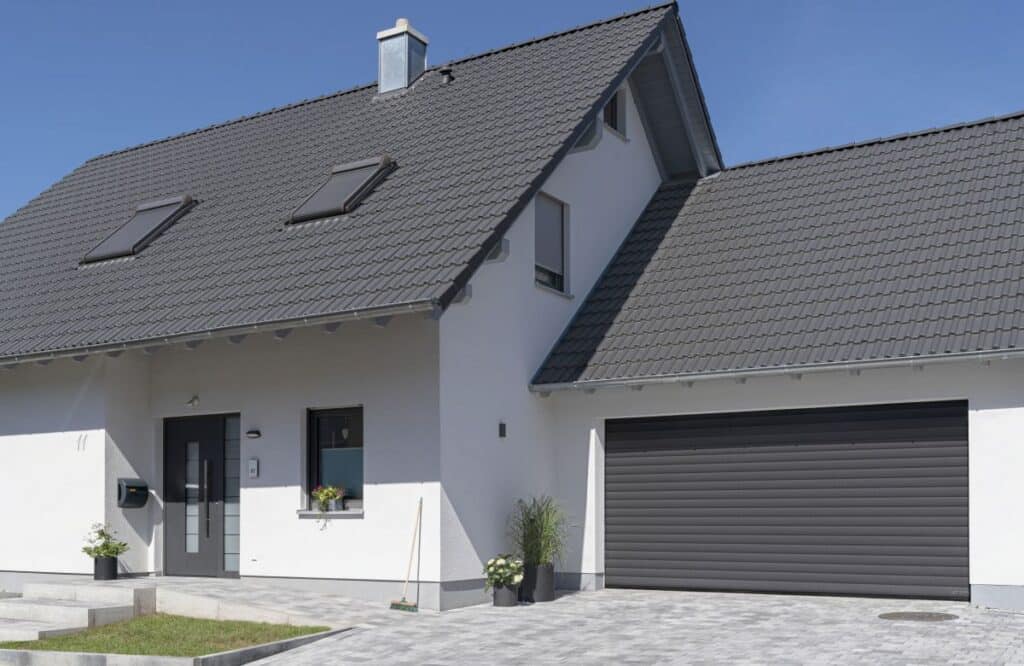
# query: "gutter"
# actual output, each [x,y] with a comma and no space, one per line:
[430,306]
[795,371]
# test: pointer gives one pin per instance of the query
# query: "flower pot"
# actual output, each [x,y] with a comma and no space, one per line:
[336,505]
[506,596]
[538,583]
[104,568]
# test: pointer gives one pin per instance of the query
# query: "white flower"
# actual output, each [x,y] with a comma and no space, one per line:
[500,560]
[518,578]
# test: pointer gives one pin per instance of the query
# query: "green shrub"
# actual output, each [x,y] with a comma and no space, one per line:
[503,571]
[537,529]
[101,542]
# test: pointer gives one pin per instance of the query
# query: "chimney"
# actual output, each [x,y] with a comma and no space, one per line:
[403,56]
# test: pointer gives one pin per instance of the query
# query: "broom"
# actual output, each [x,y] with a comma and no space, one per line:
[404,604]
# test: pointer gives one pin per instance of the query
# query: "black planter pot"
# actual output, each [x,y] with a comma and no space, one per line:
[104,568]
[538,583]
[506,596]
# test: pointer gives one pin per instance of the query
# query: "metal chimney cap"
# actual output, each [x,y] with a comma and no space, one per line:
[402,27]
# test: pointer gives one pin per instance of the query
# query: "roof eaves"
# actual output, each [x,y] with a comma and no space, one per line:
[794,370]
[700,89]
[409,307]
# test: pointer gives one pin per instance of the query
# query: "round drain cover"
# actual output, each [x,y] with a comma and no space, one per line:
[918,616]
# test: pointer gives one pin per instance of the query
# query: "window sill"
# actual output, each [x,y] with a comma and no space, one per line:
[617,133]
[307,514]
[552,290]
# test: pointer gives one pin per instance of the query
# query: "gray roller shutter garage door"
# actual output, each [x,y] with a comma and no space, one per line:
[864,500]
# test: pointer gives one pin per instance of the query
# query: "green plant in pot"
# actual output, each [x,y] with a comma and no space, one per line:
[537,529]
[504,574]
[328,498]
[104,549]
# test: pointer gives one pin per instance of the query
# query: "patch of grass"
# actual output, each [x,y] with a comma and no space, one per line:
[167,636]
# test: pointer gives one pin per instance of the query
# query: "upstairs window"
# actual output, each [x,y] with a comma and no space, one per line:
[149,221]
[550,244]
[615,113]
[348,185]
[335,454]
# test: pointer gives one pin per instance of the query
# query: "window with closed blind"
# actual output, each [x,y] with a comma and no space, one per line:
[550,237]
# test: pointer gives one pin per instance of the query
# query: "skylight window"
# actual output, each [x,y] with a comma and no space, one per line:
[149,221]
[348,185]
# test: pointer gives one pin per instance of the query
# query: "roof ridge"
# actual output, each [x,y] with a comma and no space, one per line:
[563,33]
[878,140]
[357,88]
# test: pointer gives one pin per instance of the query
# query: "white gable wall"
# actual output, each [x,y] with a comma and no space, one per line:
[492,344]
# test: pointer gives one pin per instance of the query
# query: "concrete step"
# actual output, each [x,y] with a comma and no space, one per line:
[30,630]
[66,612]
[143,598]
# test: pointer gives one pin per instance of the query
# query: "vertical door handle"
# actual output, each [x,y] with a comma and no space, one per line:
[206,493]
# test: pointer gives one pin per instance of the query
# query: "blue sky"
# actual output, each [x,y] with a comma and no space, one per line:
[79,79]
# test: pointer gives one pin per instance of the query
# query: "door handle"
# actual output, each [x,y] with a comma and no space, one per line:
[206,493]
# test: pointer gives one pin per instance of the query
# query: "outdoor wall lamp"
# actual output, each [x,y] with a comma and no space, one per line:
[253,434]
[193,402]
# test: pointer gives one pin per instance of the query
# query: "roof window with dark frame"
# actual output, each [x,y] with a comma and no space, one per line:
[346,187]
[149,221]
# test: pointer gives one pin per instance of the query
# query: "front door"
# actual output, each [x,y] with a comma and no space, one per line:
[194,496]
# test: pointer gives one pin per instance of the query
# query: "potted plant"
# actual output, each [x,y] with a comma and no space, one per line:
[504,574]
[329,498]
[538,530]
[103,548]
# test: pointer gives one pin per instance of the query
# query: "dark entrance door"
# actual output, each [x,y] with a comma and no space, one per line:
[194,496]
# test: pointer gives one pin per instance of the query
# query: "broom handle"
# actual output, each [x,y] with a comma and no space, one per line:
[412,548]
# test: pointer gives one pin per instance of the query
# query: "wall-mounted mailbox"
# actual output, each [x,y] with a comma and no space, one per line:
[132,493]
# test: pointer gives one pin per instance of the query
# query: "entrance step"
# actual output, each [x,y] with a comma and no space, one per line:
[30,630]
[142,598]
[65,612]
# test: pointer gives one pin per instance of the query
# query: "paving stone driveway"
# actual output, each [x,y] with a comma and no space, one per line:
[643,627]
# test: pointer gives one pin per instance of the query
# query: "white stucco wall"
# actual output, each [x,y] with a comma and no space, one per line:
[69,430]
[391,372]
[51,465]
[130,452]
[995,396]
[492,344]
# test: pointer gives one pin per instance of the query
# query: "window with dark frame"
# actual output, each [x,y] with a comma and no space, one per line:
[614,113]
[148,222]
[346,187]
[335,450]
[549,243]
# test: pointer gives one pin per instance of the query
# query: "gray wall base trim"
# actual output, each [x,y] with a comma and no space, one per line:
[583,582]
[462,593]
[1002,597]
[426,594]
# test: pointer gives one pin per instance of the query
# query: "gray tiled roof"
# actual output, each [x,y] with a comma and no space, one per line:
[468,156]
[905,247]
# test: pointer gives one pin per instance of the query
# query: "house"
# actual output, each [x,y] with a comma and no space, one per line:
[524,272]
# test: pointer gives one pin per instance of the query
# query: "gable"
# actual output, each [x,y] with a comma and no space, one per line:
[898,250]
[469,152]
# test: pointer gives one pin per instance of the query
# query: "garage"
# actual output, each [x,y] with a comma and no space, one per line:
[851,500]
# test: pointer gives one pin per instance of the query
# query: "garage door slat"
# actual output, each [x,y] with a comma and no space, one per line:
[862,500]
